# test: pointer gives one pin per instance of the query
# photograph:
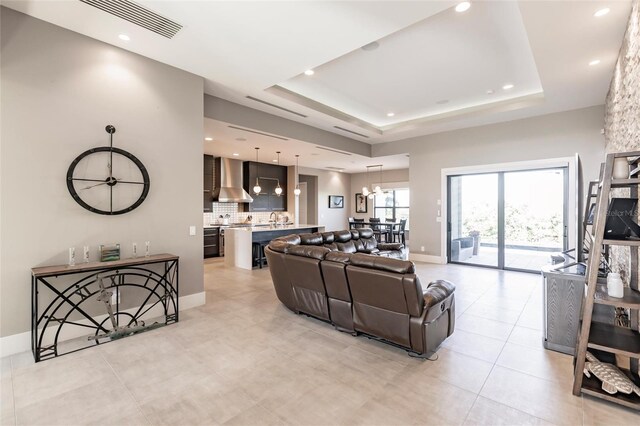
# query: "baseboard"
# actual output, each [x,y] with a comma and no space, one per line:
[427,258]
[21,342]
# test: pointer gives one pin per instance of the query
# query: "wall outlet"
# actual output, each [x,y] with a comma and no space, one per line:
[421,248]
[192,230]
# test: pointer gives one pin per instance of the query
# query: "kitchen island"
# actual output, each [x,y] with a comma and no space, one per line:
[238,242]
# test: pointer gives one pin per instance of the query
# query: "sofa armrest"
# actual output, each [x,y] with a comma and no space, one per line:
[390,246]
[437,292]
[369,251]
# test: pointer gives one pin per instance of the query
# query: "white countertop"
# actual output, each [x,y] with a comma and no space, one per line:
[265,228]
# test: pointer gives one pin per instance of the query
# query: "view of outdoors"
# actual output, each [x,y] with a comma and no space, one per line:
[533,217]
[392,204]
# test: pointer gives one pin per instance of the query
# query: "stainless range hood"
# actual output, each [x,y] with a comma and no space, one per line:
[228,182]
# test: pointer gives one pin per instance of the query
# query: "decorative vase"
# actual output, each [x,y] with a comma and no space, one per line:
[615,287]
[620,168]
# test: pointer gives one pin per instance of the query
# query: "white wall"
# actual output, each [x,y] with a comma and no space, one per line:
[390,179]
[549,136]
[331,183]
[59,90]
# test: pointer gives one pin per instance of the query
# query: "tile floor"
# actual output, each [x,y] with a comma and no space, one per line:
[244,359]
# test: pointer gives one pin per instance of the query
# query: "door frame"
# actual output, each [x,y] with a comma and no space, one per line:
[572,211]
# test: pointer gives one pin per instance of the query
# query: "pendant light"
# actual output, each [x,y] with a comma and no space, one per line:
[297,190]
[377,189]
[365,189]
[278,188]
[257,188]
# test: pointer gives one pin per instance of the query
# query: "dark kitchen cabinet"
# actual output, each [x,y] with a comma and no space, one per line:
[211,242]
[207,183]
[268,176]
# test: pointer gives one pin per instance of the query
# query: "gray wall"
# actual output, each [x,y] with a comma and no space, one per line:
[59,91]
[331,183]
[549,136]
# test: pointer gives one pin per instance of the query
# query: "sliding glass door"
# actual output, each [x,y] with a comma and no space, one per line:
[507,220]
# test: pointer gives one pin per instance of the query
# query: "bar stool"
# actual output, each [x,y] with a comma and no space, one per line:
[257,249]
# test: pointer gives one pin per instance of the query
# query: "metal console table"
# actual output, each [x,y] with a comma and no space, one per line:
[110,300]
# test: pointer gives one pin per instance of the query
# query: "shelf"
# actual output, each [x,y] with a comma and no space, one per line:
[613,339]
[635,243]
[623,183]
[630,299]
[593,386]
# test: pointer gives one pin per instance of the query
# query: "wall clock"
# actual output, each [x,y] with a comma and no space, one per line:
[108,180]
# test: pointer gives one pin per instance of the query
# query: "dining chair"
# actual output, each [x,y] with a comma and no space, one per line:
[377,229]
[351,223]
[400,232]
[358,223]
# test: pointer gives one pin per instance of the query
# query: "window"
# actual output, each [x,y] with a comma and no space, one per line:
[392,204]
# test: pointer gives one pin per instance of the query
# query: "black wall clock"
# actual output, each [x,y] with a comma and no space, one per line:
[124,188]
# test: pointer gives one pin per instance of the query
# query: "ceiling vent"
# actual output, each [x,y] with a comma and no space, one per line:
[258,133]
[276,106]
[350,131]
[332,150]
[338,169]
[136,14]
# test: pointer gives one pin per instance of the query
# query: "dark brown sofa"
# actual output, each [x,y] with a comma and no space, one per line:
[360,292]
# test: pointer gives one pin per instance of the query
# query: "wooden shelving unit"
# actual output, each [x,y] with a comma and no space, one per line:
[600,337]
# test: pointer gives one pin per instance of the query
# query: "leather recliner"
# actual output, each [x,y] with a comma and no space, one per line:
[360,292]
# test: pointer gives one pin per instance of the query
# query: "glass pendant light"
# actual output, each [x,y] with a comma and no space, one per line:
[257,188]
[377,189]
[278,188]
[365,189]
[297,190]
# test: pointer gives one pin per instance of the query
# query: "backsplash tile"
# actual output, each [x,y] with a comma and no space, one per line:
[236,216]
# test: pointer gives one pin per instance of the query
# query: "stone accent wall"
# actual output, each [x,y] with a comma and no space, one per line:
[622,112]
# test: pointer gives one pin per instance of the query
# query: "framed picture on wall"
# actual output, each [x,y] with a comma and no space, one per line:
[361,203]
[336,202]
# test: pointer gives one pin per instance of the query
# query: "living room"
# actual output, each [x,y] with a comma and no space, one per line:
[403,96]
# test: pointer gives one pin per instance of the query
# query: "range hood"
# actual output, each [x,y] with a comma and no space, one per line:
[228,182]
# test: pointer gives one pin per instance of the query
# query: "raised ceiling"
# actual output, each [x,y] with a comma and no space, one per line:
[427,54]
[228,139]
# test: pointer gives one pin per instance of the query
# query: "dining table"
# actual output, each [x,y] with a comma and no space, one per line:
[386,228]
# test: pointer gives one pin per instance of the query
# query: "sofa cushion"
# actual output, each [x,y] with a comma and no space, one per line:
[313,252]
[355,234]
[311,239]
[332,246]
[365,232]
[383,263]
[437,291]
[328,237]
[342,236]
[280,246]
[291,239]
[369,243]
[359,245]
[348,247]
[390,246]
[337,256]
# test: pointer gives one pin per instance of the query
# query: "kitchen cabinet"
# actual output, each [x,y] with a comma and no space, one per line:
[207,183]
[211,242]
[268,176]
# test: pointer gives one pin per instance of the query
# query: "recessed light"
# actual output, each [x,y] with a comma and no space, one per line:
[208,139]
[390,114]
[463,7]
[507,87]
[601,12]
[124,37]
[490,92]
[275,161]
[594,62]
[235,154]
[309,72]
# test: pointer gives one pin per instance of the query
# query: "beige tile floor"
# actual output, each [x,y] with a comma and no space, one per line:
[244,359]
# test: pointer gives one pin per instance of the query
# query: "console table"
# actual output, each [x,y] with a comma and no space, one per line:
[76,307]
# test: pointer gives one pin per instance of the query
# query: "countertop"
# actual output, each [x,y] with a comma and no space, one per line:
[265,227]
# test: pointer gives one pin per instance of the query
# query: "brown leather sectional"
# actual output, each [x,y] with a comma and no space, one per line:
[363,288]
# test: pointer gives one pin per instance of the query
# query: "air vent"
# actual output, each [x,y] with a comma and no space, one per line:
[333,150]
[276,106]
[258,133]
[338,169]
[351,131]
[136,14]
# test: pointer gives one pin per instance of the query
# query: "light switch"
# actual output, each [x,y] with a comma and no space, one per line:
[192,230]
